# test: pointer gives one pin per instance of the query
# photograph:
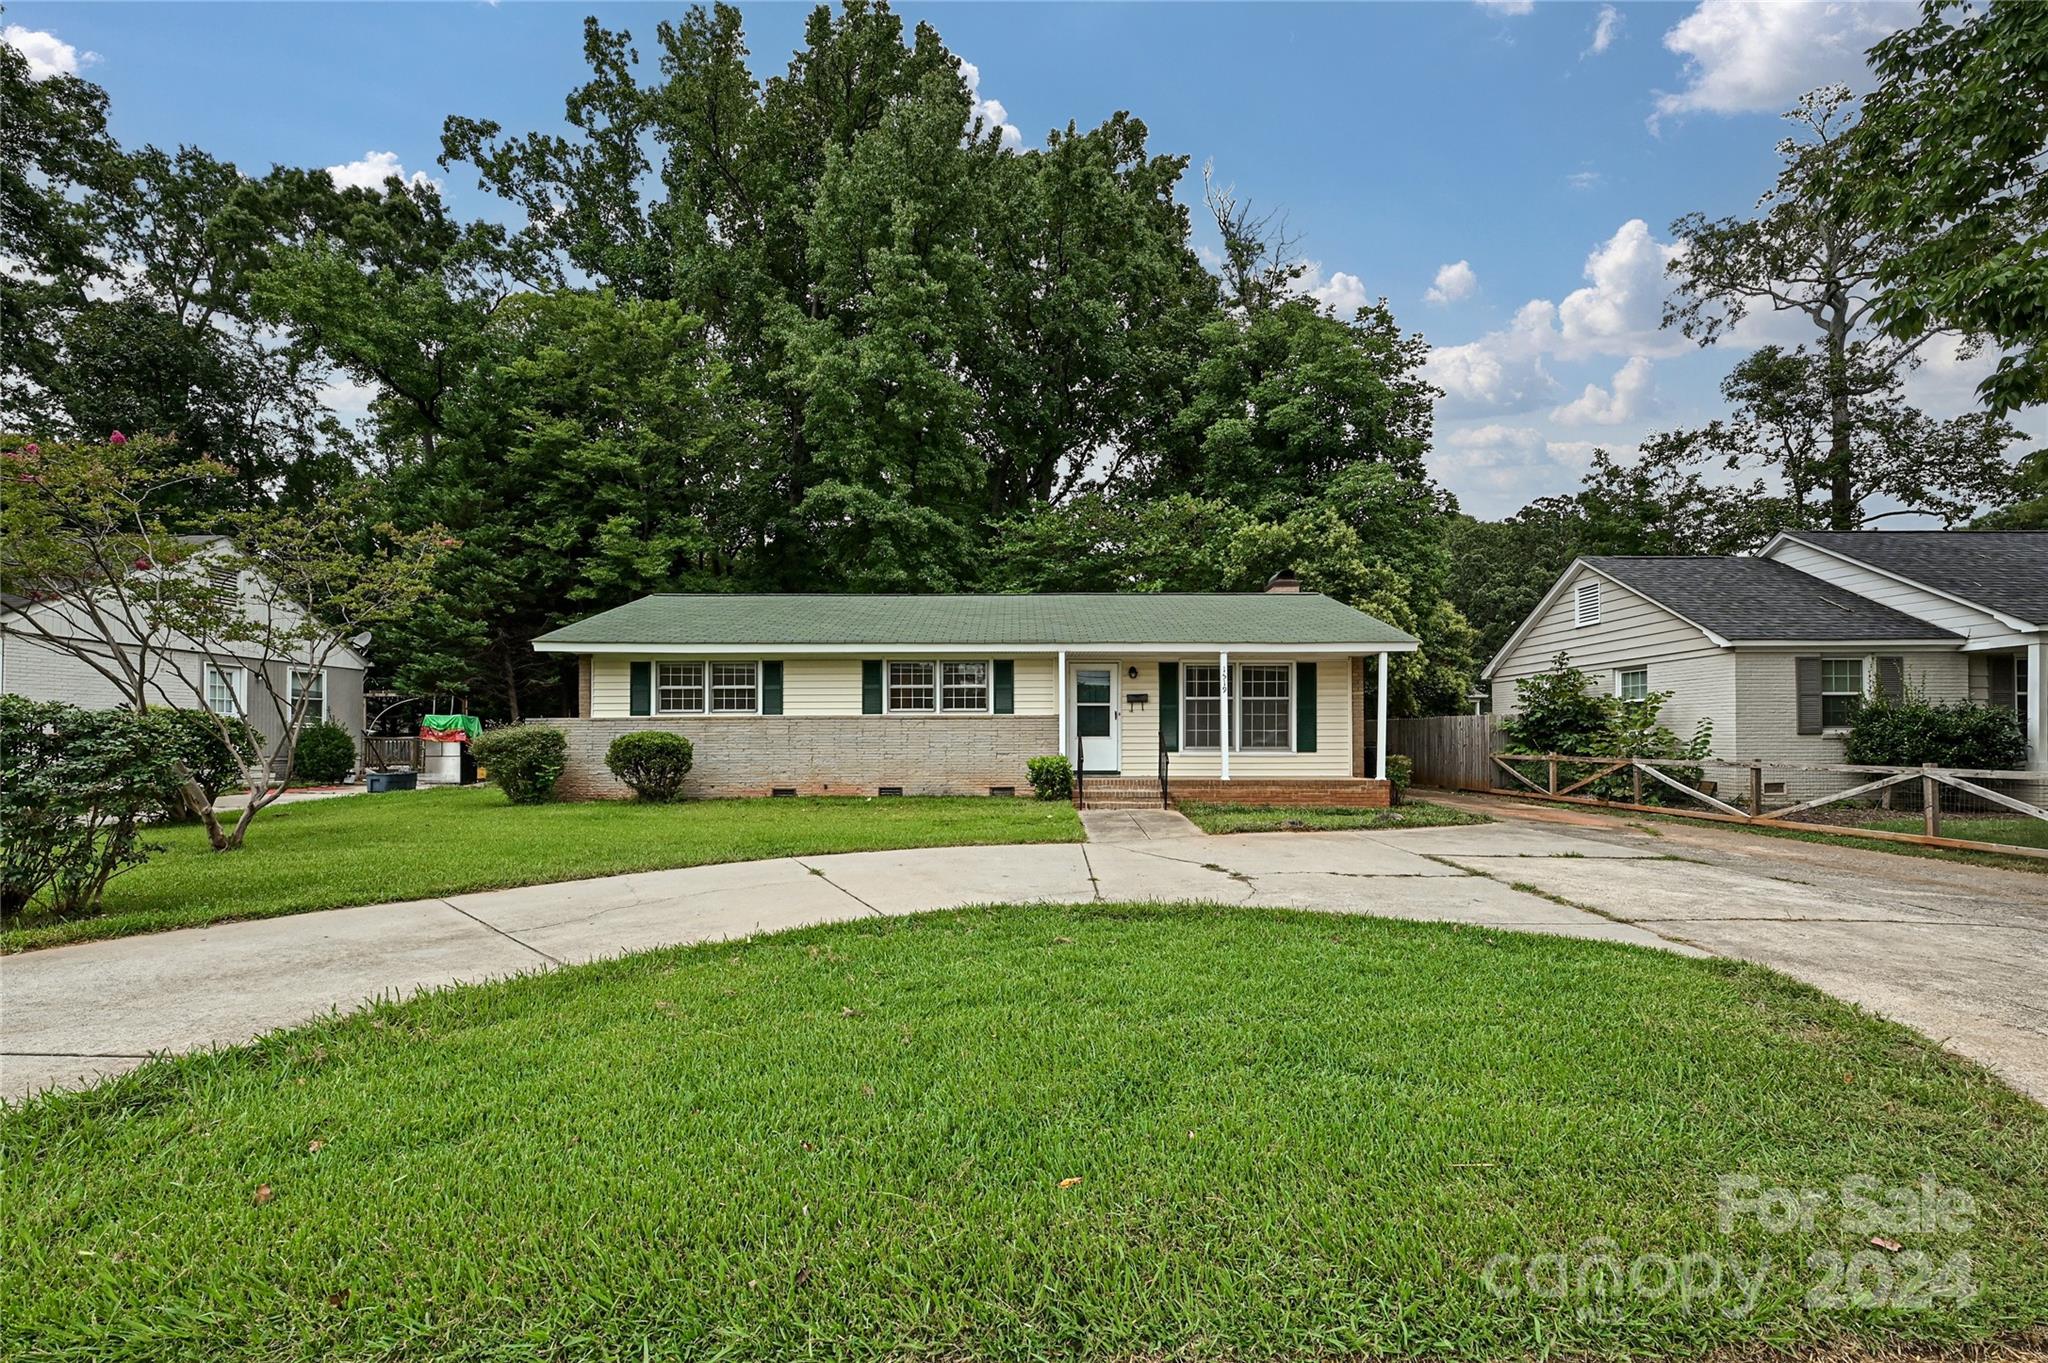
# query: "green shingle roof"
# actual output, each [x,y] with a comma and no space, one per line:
[1051,619]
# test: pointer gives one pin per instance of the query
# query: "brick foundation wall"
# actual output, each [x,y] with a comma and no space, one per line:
[1293,794]
[823,755]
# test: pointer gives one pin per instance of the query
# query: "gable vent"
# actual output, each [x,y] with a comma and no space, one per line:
[1586,604]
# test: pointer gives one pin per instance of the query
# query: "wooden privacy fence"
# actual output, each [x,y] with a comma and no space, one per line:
[1577,779]
[1450,752]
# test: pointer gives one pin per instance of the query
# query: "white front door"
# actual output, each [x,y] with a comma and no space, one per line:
[1096,722]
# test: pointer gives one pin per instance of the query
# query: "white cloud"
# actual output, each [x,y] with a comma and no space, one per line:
[1497,468]
[991,111]
[1501,371]
[1344,295]
[1453,282]
[373,169]
[1606,29]
[1622,309]
[1509,6]
[1742,56]
[1625,400]
[1584,179]
[47,54]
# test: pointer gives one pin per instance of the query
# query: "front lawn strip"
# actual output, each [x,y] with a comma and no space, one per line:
[1124,1131]
[1238,818]
[373,849]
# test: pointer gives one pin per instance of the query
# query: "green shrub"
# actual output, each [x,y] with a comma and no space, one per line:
[653,763]
[75,789]
[1400,773]
[525,760]
[325,754]
[195,738]
[1052,777]
[1911,730]
[1560,711]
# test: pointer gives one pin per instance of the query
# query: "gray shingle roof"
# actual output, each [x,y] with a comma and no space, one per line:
[1050,619]
[2005,570]
[1762,600]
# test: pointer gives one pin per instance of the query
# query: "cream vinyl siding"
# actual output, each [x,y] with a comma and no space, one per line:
[1633,631]
[1935,610]
[819,686]
[1140,738]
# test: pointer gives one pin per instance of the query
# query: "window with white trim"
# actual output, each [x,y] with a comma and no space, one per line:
[913,687]
[312,685]
[964,686]
[1201,706]
[679,688]
[1841,691]
[1632,683]
[1265,706]
[735,689]
[1586,604]
[224,690]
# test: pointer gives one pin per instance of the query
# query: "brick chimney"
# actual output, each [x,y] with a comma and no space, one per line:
[1283,581]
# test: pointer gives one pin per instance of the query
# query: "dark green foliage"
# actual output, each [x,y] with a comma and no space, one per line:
[1911,730]
[196,741]
[1400,773]
[652,762]
[525,760]
[1052,778]
[76,787]
[324,755]
[1561,712]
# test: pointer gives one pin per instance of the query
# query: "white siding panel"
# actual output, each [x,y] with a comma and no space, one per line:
[1633,631]
[1900,596]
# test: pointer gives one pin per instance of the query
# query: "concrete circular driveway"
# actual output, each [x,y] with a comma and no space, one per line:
[1958,952]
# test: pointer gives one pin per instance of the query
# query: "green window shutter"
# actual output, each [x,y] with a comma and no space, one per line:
[771,688]
[643,688]
[1806,677]
[1304,707]
[1169,705]
[1006,686]
[871,686]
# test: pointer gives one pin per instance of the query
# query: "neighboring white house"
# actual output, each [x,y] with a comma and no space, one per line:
[179,673]
[1272,696]
[1776,649]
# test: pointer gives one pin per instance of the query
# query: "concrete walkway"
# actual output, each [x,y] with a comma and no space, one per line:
[1971,972]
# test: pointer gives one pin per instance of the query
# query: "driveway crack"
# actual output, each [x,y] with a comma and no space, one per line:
[493,927]
[841,888]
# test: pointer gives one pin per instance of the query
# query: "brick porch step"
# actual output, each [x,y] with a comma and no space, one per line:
[1119,792]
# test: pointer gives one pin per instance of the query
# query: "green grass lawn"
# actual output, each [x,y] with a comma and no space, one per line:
[368,849]
[2016,831]
[1018,1133]
[1233,818]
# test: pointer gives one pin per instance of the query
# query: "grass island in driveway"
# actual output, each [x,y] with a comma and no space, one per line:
[1103,1131]
[374,849]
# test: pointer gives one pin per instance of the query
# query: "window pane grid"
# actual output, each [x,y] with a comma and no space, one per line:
[1264,708]
[1635,684]
[913,686]
[312,686]
[220,691]
[732,688]
[1201,711]
[679,688]
[1841,686]
[966,686]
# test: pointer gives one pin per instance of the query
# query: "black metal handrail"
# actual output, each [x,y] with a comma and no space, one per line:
[1165,793]
[1080,779]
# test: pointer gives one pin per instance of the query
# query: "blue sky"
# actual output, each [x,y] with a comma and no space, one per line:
[1505,173]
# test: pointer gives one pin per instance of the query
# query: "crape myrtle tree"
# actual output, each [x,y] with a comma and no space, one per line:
[1814,250]
[89,569]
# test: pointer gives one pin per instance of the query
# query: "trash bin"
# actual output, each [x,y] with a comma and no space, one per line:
[378,782]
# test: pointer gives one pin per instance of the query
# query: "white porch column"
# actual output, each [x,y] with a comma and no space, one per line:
[1379,733]
[2037,706]
[1062,702]
[1223,718]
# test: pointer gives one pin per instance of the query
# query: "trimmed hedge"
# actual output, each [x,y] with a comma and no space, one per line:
[1052,777]
[652,763]
[325,755]
[526,760]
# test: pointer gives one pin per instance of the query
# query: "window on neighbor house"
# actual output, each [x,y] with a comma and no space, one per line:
[913,687]
[1201,706]
[1586,604]
[1632,683]
[965,686]
[679,688]
[1265,705]
[224,690]
[734,688]
[312,685]
[1841,691]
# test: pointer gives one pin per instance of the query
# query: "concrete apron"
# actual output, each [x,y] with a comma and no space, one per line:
[74,1014]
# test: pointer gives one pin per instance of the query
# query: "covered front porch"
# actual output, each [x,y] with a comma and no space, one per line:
[1238,723]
